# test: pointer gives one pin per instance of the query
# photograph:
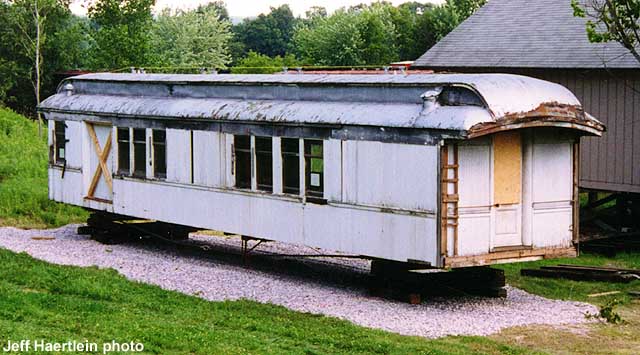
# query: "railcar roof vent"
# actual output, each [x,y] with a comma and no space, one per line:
[430,99]
[68,89]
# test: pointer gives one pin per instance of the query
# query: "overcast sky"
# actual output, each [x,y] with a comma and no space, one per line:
[246,8]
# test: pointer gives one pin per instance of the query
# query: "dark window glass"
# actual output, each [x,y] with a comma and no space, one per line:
[242,158]
[264,163]
[139,152]
[60,142]
[290,165]
[159,154]
[124,154]
[314,168]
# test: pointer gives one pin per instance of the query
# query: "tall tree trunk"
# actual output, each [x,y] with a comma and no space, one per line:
[38,65]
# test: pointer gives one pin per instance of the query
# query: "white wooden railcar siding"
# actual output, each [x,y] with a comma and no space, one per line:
[383,199]
[377,205]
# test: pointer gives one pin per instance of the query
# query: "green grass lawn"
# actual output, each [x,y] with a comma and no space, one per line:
[24,198]
[575,290]
[60,303]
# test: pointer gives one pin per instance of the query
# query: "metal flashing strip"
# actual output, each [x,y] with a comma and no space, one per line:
[317,131]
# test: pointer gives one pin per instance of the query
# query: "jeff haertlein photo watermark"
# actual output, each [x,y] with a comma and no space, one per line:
[72,346]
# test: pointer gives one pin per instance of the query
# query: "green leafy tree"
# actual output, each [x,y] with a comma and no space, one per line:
[123,35]
[612,20]
[196,38]
[268,34]
[406,20]
[316,12]
[437,21]
[31,50]
[379,33]
[219,6]
[31,22]
[464,8]
[11,69]
[333,40]
[256,63]
[72,43]
[361,35]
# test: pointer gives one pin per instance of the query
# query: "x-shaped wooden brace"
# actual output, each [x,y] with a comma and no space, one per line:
[103,155]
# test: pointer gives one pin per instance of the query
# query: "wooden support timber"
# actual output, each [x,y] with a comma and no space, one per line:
[508,256]
[110,228]
[402,282]
[584,273]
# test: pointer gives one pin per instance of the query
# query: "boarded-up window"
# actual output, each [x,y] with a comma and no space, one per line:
[290,165]
[60,142]
[159,154]
[264,163]
[124,153]
[314,167]
[242,158]
[139,152]
[507,167]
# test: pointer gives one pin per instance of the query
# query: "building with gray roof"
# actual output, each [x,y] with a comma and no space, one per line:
[543,39]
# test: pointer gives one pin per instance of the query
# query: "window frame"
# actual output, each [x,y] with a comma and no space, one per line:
[259,153]
[160,175]
[59,142]
[311,194]
[135,172]
[293,157]
[121,171]
[244,150]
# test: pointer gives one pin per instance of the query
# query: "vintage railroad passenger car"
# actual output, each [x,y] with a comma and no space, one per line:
[443,170]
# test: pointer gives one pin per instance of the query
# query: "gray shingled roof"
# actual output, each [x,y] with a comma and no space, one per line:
[525,34]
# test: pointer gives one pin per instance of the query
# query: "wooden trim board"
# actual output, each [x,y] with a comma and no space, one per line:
[510,256]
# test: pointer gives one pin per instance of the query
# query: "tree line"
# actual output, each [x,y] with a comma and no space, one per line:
[41,39]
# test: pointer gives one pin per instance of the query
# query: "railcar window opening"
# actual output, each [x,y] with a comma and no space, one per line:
[290,150]
[314,168]
[459,96]
[242,161]
[159,154]
[124,151]
[264,163]
[139,152]
[60,141]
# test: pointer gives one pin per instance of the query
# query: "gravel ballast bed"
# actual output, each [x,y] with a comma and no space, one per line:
[217,280]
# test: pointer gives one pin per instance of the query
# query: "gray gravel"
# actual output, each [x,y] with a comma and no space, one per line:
[218,280]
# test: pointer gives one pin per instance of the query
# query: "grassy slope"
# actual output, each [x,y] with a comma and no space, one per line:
[23,177]
[599,339]
[61,303]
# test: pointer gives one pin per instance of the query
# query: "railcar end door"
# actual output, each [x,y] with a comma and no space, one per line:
[507,189]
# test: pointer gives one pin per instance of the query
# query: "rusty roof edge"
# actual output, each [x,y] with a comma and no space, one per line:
[549,114]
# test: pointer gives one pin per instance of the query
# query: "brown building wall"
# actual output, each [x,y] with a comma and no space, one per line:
[611,162]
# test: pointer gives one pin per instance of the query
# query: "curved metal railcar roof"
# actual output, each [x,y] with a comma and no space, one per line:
[472,104]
